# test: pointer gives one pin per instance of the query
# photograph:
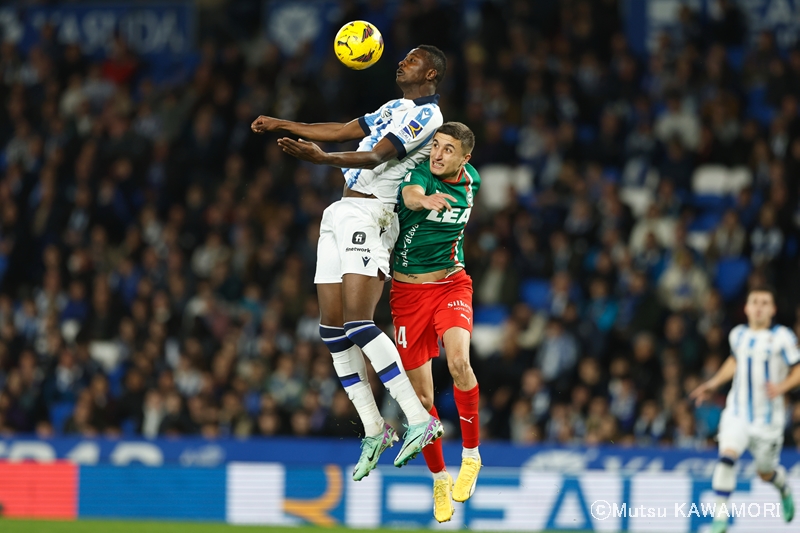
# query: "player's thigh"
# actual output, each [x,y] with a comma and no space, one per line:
[454,312]
[360,296]
[329,296]
[412,316]
[734,435]
[766,453]
[421,379]
[329,265]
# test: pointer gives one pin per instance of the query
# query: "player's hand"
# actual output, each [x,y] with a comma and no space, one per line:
[701,394]
[437,202]
[307,151]
[773,390]
[263,124]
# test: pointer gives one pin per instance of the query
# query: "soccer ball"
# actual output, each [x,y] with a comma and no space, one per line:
[358,45]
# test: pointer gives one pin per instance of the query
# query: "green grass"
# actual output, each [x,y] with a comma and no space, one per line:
[96,526]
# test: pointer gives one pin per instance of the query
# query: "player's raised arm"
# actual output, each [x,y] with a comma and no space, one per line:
[384,151]
[321,131]
[414,198]
[723,376]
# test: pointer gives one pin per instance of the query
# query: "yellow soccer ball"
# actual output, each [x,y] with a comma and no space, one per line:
[358,45]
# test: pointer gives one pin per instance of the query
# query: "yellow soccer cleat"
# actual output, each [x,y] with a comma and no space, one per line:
[442,503]
[467,478]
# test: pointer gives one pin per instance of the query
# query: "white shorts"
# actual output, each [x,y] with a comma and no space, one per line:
[356,236]
[764,443]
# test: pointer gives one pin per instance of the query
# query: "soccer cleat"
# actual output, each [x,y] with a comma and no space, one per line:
[417,437]
[442,503]
[467,479]
[788,505]
[718,526]
[371,450]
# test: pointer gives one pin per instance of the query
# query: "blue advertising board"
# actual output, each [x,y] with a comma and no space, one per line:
[149,28]
[199,452]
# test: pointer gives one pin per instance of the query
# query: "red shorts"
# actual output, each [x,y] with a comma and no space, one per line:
[423,312]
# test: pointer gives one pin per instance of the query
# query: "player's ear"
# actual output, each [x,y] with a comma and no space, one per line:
[431,74]
[467,158]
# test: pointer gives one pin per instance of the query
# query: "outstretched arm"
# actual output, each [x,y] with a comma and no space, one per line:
[307,151]
[322,131]
[723,375]
[414,198]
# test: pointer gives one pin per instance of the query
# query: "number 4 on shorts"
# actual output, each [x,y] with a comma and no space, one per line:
[400,337]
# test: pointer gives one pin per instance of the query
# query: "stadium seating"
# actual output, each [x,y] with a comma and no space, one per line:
[536,293]
[490,314]
[59,413]
[731,277]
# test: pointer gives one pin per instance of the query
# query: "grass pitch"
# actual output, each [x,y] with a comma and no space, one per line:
[97,526]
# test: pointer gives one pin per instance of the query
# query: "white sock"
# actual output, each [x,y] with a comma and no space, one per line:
[440,475]
[471,453]
[722,507]
[349,364]
[385,359]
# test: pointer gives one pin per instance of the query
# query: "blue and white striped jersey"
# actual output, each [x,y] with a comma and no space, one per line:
[409,125]
[762,356]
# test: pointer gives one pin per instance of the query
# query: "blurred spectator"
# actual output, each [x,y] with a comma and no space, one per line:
[557,355]
[766,240]
[684,285]
[677,125]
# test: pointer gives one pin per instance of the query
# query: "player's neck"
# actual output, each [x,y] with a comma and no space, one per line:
[757,327]
[417,91]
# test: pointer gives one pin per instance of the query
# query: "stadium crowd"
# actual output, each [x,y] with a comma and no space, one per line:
[156,257]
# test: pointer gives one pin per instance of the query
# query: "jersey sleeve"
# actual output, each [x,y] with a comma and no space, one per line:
[367,121]
[414,129]
[789,348]
[415,177]
[734,338]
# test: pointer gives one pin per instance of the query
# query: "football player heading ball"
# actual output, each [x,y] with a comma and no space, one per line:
[357,235]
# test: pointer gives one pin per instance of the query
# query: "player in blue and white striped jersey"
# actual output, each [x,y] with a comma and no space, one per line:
[357,235]
[764,367]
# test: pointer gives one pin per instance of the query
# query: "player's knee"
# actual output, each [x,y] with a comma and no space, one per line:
[331,317]
[426,400]
[767,476]
[724,479]
[458,364]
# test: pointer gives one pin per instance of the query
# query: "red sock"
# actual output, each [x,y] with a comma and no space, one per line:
[467,405]
[434,456]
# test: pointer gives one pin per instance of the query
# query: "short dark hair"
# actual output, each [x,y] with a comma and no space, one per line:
[461,132]
[438,61]
[763,288]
